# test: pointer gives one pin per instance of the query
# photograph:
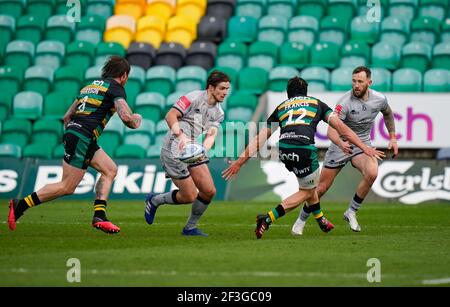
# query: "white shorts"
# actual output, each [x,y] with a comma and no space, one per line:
[309,182]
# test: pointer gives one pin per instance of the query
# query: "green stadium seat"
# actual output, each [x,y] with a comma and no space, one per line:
[251,8]
[27,105]
[161,128]
[93,73]
[59,28]
[279,76]
[242,29]
[242,99]
[49,130]
[7,29]
[341,79]
[314,8]
[130,152]
[239,114]
[253,80]
[325,55]
[50,53]
[263,55]
[56,104]
[344,9]
[385,55]
[445,31]
[441,56]
[10,79]
[90,29]
[142,136]
[333,30]
[30,28]
[436,80]
[434,8]
[38,79]
[112,136]
[135,83]
[16,131]
[19,54]
[62,8]
[102,8]
[405,8]
[5,106]
[38,150]
[355,54]
[107,49]
[363,30]
[153,151]
[285,8]
[407,80]
[230,72]
[41,9]
[58,152]
[161,79]
[272,28]
[416,55]
[303,29]
[395,30]
[234,139]
[80,54]
[190,78]
[318,78]
[10,151]
[171,99]
[294,54]
[13,8]
[381,79]
[371,10]
[425,30]
[150,105]
[232,54]
[68,79]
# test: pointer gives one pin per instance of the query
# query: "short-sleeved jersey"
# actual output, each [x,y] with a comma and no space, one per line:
[298,118]
[197,115]
[360,115]
[95,106]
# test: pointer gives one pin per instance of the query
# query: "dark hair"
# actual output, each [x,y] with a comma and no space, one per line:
[115,67]
[297,87]
[215,77]
[359,69]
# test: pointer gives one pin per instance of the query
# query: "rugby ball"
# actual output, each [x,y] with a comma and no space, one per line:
[192,153]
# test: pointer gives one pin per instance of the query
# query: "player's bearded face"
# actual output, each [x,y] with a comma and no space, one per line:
[220,91]
[360,84]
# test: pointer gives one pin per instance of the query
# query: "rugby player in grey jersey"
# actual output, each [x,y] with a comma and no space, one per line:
[358,109]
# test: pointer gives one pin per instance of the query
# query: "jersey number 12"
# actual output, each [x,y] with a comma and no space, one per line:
[299,120]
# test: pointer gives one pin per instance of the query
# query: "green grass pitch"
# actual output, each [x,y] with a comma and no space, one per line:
[411,242]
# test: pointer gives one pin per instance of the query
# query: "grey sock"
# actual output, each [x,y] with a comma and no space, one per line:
[199,206]
[165,198]
[304,215]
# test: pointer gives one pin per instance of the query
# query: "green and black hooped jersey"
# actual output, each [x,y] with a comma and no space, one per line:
[298,118]
[95,106]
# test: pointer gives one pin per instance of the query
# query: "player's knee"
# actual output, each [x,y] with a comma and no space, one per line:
[371,176]
[68,189]
[112,172]
[209,193]
[187,196]
[322,188]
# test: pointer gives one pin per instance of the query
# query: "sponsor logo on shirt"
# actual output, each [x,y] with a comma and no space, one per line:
[183,103]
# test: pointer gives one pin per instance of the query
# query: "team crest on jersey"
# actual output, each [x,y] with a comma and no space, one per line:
[338,109]
[183,103]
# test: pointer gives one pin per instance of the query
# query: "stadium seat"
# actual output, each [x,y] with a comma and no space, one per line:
[142,136]
[162,8]
[19,54]
[404,8]
[385,55]
[341,79]
[425,30]
[161,128]
[150,105]
[232,54]
[135,83]
[10,79]
[303,29]
[394,30]
[272,28]
[151,29]
[318,78]
[212,28]
[263,55]
[285,8]
[160,79]
[237,114]
[49,53]
[41,9]
[445,31]
[10,151]
[171,54]
[436,80]
[363,30]
[344,9]
[68,79]
[7,29]
[120,29]
[38,150]
[30,28]
[201,54]
[59,28]
[407,80]
[441,56]
[325,55]
[58,152]
[193,9]
[251,8]
[5,106]
[181,30]
[16,131]
[90,29]
[102,8]
[381,79]
[221,9]
[190,78]
[294,54]
[13,8]
[49,130]
[64,6]
[80,54]
[279,76]
[242,29]
[105,50]
[112,135]
[153,151]
[133,8]
[253,80]
[38,79]
[437,9]
[333,30]
[56,104]
[355,54]
[443,154]
[171,100]
[130,152]
[27,105]
[314,8]
[416,55]
[141,54]
[243,99]
[372,11]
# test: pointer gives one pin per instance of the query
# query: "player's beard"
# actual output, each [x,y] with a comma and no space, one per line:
[362,92]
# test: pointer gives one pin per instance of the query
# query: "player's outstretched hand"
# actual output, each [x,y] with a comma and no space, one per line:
[231,171]
[394,146]
[373,152]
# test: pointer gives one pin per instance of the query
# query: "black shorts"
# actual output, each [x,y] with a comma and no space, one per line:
[79,149]
[301,160]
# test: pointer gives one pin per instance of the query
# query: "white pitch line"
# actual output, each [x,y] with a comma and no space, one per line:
[440,281]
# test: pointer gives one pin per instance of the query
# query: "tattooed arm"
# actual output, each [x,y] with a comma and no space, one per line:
[390,126]
[130,120]
[68,116]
